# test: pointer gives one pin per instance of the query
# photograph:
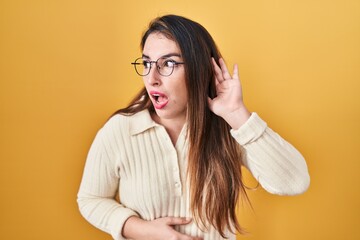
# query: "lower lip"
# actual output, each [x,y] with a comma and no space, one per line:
[160,105]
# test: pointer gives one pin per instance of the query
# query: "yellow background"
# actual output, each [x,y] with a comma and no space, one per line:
[65,67]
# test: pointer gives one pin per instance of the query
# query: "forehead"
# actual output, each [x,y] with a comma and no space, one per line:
[158,45]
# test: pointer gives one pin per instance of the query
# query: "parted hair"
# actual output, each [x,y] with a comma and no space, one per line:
[214,157]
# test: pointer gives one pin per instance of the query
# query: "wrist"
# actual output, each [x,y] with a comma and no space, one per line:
[237,117]
[131,228]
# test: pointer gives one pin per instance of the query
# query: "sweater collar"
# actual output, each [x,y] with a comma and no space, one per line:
[141,122]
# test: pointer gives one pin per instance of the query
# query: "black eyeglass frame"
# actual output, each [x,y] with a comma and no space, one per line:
[157,66]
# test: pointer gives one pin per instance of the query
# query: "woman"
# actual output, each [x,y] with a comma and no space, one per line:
[174,155]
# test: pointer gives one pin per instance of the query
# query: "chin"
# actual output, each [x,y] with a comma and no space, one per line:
[167,114]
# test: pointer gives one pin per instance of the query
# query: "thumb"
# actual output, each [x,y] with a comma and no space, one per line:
[210,103]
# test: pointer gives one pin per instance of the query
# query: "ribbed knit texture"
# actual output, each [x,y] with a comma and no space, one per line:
[134,157]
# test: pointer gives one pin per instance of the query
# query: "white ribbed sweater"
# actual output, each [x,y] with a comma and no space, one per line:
[134,156]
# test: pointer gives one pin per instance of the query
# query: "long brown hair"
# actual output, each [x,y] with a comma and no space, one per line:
[214,163]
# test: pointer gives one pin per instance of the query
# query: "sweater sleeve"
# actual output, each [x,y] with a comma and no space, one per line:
[99,186]
[276,164]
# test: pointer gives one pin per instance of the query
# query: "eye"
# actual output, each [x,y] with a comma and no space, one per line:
[146,64]
[169,63]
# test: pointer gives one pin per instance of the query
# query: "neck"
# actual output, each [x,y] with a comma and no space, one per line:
[172,126]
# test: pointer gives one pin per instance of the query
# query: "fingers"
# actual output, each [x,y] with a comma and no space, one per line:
[224,69]
[186,237]
[236,72]
[177,221]
[222,73]
[218,73]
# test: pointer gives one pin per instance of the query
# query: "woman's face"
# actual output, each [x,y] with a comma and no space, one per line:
[167,93]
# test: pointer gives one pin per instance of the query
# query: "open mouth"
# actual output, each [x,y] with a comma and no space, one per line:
[160,100]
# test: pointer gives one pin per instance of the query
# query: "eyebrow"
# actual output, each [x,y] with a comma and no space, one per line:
[164,56]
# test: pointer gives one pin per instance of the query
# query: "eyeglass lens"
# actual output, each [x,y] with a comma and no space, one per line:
[163,65]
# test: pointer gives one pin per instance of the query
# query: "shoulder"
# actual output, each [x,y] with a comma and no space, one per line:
[127,124]
[117,131]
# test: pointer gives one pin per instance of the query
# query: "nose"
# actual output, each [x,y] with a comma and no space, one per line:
[153,78]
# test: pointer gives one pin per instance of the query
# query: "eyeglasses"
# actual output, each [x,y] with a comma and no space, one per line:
[164,66]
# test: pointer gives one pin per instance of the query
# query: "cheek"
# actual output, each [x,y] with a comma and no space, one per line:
[179,87]
[183,91]
[181,95]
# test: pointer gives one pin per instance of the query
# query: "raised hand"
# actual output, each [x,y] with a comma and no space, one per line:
[228,103]
[158,229]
